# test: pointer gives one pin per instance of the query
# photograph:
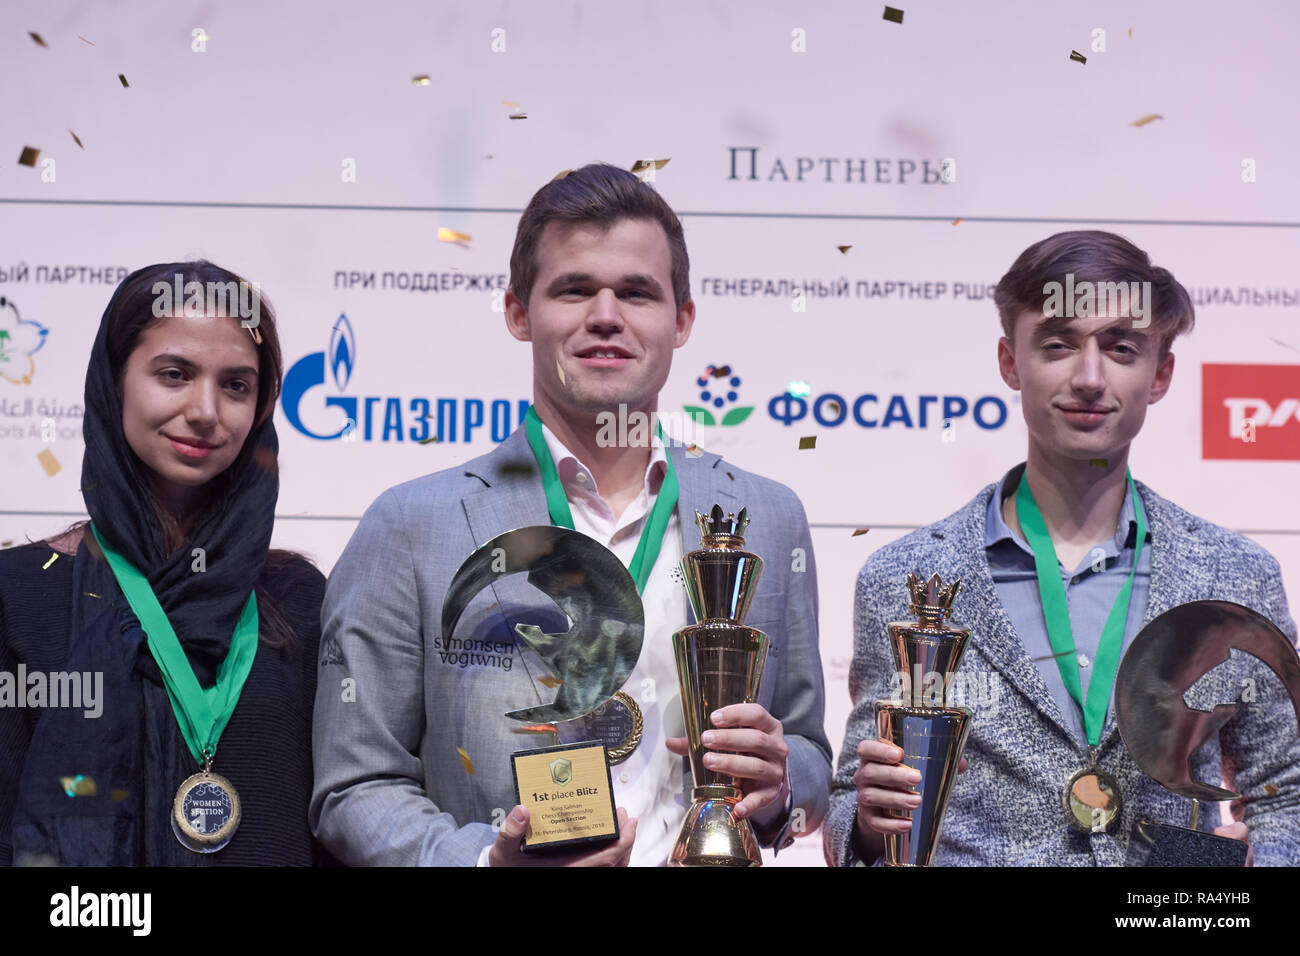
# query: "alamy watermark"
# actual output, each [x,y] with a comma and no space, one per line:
[236,299]
[1086,299]
[636,429]
[975,689]
[84,689]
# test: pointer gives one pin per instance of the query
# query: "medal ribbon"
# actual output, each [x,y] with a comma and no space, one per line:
[201,712]
[1057,615]
[652,535]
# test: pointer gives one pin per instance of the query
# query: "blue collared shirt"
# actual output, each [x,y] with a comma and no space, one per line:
[1090,592]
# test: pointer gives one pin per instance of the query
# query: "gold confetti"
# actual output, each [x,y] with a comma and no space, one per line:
[561,174]
[859,531]
[517,468]
[722,372]
[1099,462]
[122,77]
[550,681]
[90,594]
[695,451]
[893,15]
[834,406]
[844,250]
[49,462]
[465,761]
[512,104]
[1130,33]
[559,371]
[1078,57]
[428,441]
[119,795]
[808,441]
[78,786]
[37,38]
[54,556]
[1143,120]
[83,39]
[731,476]
[28,156]
[451,235]
[955,221]
[519,116]
[539,729]
[1285,345]
[5,544]
[1270,789]
[76,139]
[642,165]
[421,80]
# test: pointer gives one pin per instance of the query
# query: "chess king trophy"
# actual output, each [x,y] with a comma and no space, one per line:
[719,662]
[1161,733]
[931,735]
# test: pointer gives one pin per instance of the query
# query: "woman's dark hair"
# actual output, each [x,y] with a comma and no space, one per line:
[133,313]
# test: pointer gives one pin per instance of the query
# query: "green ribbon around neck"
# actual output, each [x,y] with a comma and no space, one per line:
[652,535]
[201,712]
[1057,614]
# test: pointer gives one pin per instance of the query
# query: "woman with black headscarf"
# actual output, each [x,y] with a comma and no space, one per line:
[204,639]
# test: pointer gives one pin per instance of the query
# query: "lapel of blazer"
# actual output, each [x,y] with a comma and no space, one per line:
[511,494]
[979,608]
[1171,544]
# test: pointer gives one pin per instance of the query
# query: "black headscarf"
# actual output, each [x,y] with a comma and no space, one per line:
[135,752]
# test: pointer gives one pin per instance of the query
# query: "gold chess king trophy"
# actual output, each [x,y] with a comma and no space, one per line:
[931,734]
[719,662]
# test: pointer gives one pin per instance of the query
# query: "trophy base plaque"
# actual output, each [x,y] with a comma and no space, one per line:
[711,836]
[569,796]
[1162,844]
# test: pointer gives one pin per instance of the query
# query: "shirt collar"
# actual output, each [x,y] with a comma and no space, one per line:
[577,478]
[996,528]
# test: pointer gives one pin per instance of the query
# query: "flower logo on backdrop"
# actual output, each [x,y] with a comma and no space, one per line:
[20,339]
[718,389]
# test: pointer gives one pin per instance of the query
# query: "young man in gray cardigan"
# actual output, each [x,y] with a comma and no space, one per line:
[1086,372]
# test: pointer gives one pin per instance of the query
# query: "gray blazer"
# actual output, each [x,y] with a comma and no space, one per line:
[391,786]
[1007,807]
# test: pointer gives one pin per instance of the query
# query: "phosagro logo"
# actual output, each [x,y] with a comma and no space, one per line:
[718,387]
[381,417]
[20,339]
[1250,412]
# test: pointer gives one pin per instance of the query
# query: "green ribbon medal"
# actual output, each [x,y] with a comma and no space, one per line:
[652,535]
[206,810]
[621,712]
[1092,797]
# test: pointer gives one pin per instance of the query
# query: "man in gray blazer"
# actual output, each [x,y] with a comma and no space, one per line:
[413,764]
[1086,378]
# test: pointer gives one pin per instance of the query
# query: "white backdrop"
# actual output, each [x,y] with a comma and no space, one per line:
[292,146]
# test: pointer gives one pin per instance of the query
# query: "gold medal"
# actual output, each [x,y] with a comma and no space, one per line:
[1092,801]
[618,724]
[205,813]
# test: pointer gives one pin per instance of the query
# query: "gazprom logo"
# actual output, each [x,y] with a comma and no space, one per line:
[309,372]
[381,417]
[343,349]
